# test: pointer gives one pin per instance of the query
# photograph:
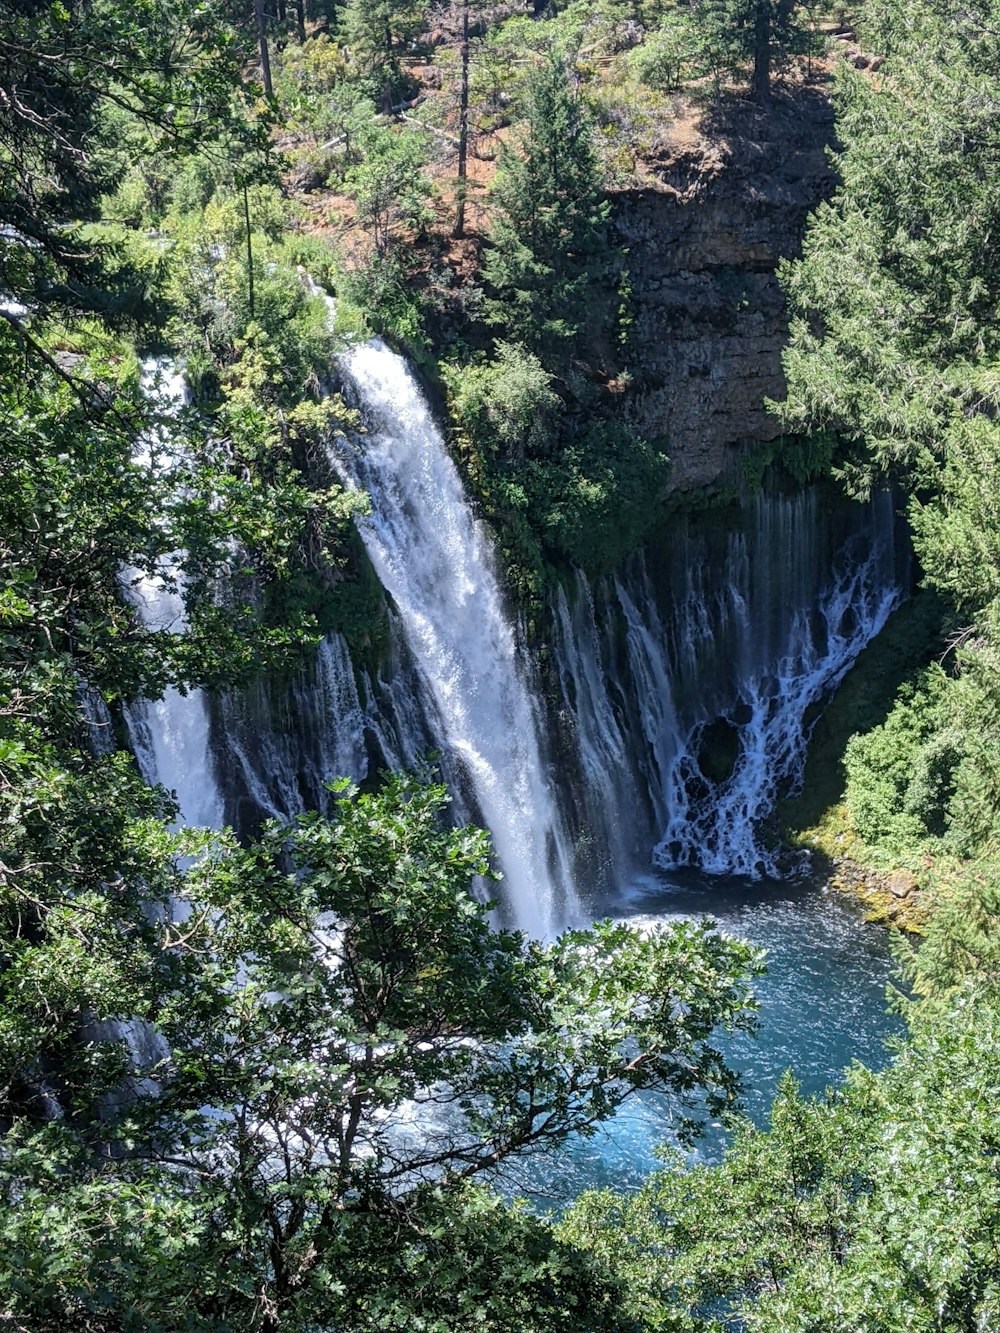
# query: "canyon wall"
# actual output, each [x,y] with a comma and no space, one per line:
[723,208]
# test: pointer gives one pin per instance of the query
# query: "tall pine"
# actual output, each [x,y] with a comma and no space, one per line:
[753,37]
[547,236]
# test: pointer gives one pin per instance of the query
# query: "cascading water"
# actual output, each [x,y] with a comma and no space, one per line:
[280,743]
[686,689]
[434,561]
[696,696]
[792,652]
[688,683]
[170,736]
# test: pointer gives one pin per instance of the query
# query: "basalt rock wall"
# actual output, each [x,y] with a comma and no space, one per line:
[705,238]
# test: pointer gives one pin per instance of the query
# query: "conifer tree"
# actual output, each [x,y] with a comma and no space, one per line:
[754,34]
[548,240]
[377,32]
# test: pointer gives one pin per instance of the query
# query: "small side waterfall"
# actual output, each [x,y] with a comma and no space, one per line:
[690,697]
[280,742]
[434,561]
[170,736]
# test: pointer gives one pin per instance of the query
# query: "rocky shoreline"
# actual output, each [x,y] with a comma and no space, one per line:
[892,897]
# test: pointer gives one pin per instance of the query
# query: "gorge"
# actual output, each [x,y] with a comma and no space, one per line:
[630,764]
[454,707]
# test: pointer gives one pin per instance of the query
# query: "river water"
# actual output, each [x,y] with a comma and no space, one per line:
[822,1006]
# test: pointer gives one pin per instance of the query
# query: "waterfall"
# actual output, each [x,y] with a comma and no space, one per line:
[280,742]
[691,697]
[170,735]
[434,560]
[685,687]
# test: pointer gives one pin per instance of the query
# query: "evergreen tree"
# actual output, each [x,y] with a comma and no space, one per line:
[377,32]
[894,348]
[547,236]
[758,35]
[87,89]
[871,1210]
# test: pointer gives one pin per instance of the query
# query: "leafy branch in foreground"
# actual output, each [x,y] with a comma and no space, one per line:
[352,1047]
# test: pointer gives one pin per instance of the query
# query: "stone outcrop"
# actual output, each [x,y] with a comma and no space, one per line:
[704,243]
[892,897]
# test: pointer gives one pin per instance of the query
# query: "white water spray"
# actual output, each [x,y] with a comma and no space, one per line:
[435,562]
[704,712]
[170,736]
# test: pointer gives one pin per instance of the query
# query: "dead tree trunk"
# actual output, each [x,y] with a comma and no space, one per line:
[463,128]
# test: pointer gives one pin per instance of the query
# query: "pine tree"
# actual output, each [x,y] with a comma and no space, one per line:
[377,32]
[548,231]
[754,34]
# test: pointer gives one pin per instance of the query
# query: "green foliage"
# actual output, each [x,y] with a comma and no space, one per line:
[547,238]
[258,379]
[85,856]
[563,481]
[927,778]
[563,490]
[801,458]
[98,86]
[314,993]
[217,506]
[897,791]
[956,528]
[960,944]
[894,347]
[892,336]
[210,290]
[759,36]
[76,510]
[308,74]
[875,1209]
[389,184]
[376,33]
[380,292]
[670,54]
[596,501]
[509,404]
[912,637]
[700,1239]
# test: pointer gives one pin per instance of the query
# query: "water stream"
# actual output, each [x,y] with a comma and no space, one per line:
[690,689]
[435,562]
[170,735]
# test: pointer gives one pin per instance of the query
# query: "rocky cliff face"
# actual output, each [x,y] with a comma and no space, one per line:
[704,243]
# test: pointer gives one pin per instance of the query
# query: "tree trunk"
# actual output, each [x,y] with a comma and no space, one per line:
[760,88]
[246,218]
[265,57]
[300,20]
[390,66]
[463,128]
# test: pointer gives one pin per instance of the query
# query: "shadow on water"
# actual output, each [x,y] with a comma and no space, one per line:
[822,1006]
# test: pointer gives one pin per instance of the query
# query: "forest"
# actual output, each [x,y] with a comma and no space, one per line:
[276,280]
